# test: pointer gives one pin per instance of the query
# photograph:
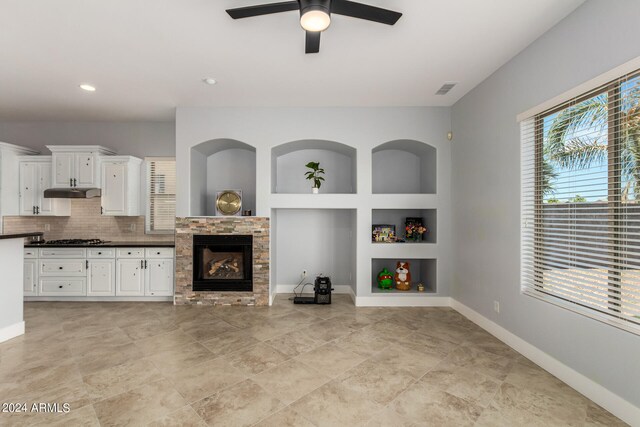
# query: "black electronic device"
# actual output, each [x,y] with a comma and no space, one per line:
[322,290]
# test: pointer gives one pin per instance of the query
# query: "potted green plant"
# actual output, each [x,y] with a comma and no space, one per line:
[314,174]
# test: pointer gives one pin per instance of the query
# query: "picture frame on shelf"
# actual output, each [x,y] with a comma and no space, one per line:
[383,233]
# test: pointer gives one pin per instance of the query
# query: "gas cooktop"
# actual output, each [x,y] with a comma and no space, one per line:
[75,242]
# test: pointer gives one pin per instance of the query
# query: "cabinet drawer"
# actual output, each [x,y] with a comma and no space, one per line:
[101,253]
[159,252]
[130,253]
[63,286]
[30,253]
[63,253]
[63,267]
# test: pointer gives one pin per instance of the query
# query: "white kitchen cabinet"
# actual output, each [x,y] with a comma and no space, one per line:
[159,277]
[130,277]
[63,286]
[30,283]
[101,277]
[9,171]
[121,186]
[77,165]
[35,177]
[99,272]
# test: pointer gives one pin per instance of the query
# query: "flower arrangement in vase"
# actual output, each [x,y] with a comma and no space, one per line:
[414,229]
[314,175]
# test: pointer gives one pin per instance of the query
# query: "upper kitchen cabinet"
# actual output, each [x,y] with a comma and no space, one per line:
[121,186]
[34,178]
[9,185]
[77,165]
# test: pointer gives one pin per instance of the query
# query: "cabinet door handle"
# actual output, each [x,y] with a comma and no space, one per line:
[60,268]
[37,210]
[101,210]
[70,182]
[75,184]
[34,210]
[60,286]
[141,264]
[87,264]
[145,264]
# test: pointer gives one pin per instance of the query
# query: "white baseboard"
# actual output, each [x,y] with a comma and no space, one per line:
[11,331]
[101,299]
[589,388]
[337,289]
[390,300]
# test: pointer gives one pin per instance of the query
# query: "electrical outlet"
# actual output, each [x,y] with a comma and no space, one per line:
[47,227]
[496,306]
[132,226]
[304,274]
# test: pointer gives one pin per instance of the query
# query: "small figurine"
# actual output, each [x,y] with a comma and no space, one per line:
[385,279]
[402,278]
[420,287]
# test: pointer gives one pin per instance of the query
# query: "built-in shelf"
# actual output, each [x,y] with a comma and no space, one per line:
[223,164]
[397,217]
[318,241]
[422,271]
[288,167]
[404,167]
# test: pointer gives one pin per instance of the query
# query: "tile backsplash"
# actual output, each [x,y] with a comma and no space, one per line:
[85,222]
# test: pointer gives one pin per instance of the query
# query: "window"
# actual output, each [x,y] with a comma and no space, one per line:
[161,195]
[581,203]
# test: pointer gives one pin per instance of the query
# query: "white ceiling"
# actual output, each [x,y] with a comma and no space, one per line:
[146,57]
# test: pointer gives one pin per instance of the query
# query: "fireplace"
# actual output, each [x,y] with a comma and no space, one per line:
[223,263]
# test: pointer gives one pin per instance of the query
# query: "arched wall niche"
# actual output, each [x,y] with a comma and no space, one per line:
[404,166]
[288,162]
[222,164]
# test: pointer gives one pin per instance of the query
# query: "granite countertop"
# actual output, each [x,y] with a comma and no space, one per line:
[167,244]
[20,235]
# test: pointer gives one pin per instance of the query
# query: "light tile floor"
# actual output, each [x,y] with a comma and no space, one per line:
[338,365]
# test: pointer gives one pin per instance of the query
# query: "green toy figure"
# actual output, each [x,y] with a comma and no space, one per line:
[385,279]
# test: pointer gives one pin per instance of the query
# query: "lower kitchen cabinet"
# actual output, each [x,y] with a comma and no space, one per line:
[63,286]
[159,277]
[130,277]
[30,283]
[101,277]
[98,272]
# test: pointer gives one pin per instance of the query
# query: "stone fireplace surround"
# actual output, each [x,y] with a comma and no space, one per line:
[187,227]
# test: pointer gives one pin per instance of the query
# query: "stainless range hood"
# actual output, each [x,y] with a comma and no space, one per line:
[72,193]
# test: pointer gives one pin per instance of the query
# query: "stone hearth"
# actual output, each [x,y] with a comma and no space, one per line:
[187,227]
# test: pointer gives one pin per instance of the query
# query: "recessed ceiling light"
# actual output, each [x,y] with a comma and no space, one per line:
[209,81]
[87,87]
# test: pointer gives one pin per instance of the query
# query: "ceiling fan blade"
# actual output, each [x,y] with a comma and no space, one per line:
[312,42]
[364,11]
[263,9]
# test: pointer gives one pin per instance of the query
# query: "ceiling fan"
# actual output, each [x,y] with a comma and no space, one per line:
[315,15]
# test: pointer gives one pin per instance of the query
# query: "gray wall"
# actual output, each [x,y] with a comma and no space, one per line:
[138,139]
[597,37]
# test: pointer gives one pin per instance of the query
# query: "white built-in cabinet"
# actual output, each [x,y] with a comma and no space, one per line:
[30,276]
[121,185]
[9,185]
[77,166]
[146,272]
[34,178]
[98,272]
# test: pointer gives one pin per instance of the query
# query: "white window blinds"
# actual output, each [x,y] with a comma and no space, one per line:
[581,203]
[161,192]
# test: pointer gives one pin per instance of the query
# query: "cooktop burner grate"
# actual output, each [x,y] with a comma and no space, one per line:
[76,242]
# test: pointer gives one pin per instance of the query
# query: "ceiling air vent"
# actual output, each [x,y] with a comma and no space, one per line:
[446,88]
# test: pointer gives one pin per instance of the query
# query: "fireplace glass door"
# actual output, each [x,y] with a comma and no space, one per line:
[223,263]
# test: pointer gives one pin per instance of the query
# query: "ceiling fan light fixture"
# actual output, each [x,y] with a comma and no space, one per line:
[315,18]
